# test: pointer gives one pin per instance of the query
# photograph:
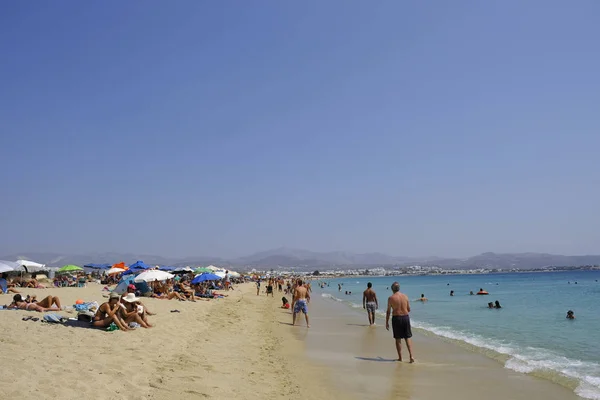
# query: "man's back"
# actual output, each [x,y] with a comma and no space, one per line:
[300,293]
[399,303]
[369,295]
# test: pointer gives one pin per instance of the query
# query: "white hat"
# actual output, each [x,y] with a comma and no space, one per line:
[130,298]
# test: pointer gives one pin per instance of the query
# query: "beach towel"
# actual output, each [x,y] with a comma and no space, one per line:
[53,318]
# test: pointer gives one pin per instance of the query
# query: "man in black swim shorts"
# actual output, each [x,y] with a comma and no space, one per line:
[399,306]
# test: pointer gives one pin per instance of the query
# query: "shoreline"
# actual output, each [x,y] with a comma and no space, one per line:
[362,360]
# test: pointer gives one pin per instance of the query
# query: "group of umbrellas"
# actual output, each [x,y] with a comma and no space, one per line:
[31,266]
[144,271]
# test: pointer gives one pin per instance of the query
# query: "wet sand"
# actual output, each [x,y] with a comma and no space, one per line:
[362,362]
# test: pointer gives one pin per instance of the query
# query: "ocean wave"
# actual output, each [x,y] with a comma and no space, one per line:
[528,360]
[531,360]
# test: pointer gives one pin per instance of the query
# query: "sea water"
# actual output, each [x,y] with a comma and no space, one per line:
[531,329]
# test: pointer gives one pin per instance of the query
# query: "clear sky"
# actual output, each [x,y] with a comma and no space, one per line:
[226,127]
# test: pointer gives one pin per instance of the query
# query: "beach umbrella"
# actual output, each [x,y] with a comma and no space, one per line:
[166,268]
[5,268]
[220,273]
[212,268]
[120,265]
[15,266]
[205,277]
[202,270]
[234,274]
[183,269]
[153,275]
[114,270]
[97,266]
[139,265]
[70,268]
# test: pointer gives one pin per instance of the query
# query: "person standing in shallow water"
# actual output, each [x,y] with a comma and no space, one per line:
[370,303]
[399,307]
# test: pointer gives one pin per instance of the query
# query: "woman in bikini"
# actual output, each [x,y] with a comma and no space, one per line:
[41,306]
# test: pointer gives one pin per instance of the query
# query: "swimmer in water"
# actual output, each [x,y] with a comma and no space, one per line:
[423,298]
[497,304]
[452,293]
[570,314]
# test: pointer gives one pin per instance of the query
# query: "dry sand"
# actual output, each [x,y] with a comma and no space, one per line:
[239,348]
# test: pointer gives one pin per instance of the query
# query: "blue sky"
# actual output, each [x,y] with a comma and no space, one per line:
[223,128]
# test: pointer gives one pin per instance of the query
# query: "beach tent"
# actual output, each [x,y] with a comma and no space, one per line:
[139,265]
[129,280]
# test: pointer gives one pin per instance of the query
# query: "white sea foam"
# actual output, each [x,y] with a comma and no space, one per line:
[524,360]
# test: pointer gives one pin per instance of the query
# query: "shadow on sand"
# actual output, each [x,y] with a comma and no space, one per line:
[358,324]
[378,359]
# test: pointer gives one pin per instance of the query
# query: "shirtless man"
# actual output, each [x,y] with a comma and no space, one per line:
[370,303]
[399,306]
[423,298]
[300,302]
[109,312]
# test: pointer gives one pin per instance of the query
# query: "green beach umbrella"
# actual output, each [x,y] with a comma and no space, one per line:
[70,268]
[201,270]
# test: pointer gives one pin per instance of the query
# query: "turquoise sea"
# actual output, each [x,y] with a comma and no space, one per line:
[529,334]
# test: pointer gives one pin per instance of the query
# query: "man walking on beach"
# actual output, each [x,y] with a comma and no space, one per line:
[299,302]
[370,303]
[399,306]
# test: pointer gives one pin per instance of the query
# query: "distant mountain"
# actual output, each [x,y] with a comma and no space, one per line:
[295,257]
[304,259]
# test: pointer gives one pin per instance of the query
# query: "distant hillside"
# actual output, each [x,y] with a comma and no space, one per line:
[309,260]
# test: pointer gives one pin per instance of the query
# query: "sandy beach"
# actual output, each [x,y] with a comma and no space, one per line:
[242,347]
[235,347]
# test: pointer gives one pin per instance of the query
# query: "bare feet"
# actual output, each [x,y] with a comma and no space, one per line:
[308,326]
[412,360]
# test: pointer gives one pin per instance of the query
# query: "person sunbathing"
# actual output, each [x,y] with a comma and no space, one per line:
[108,313]
[47,301]
[43,306]
[185,291]
[131,311]
[164,292]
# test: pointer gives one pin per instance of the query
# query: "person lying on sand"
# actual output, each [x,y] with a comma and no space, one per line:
[108,313]
[41,306]
[7,287]
[163,291]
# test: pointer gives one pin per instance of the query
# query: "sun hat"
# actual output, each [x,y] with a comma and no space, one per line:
[130,298]
[114,295]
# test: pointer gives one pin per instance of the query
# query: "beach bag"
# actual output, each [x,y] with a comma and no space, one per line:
[86,316]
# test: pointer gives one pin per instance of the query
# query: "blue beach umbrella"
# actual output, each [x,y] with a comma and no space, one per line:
[206,277]
[139,265]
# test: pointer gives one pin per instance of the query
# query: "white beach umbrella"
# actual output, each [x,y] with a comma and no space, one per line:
[113,271]
[234,274]
[31,265]
[11,264]
[220,273]
[153,275]
[212,268]
[5,268]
